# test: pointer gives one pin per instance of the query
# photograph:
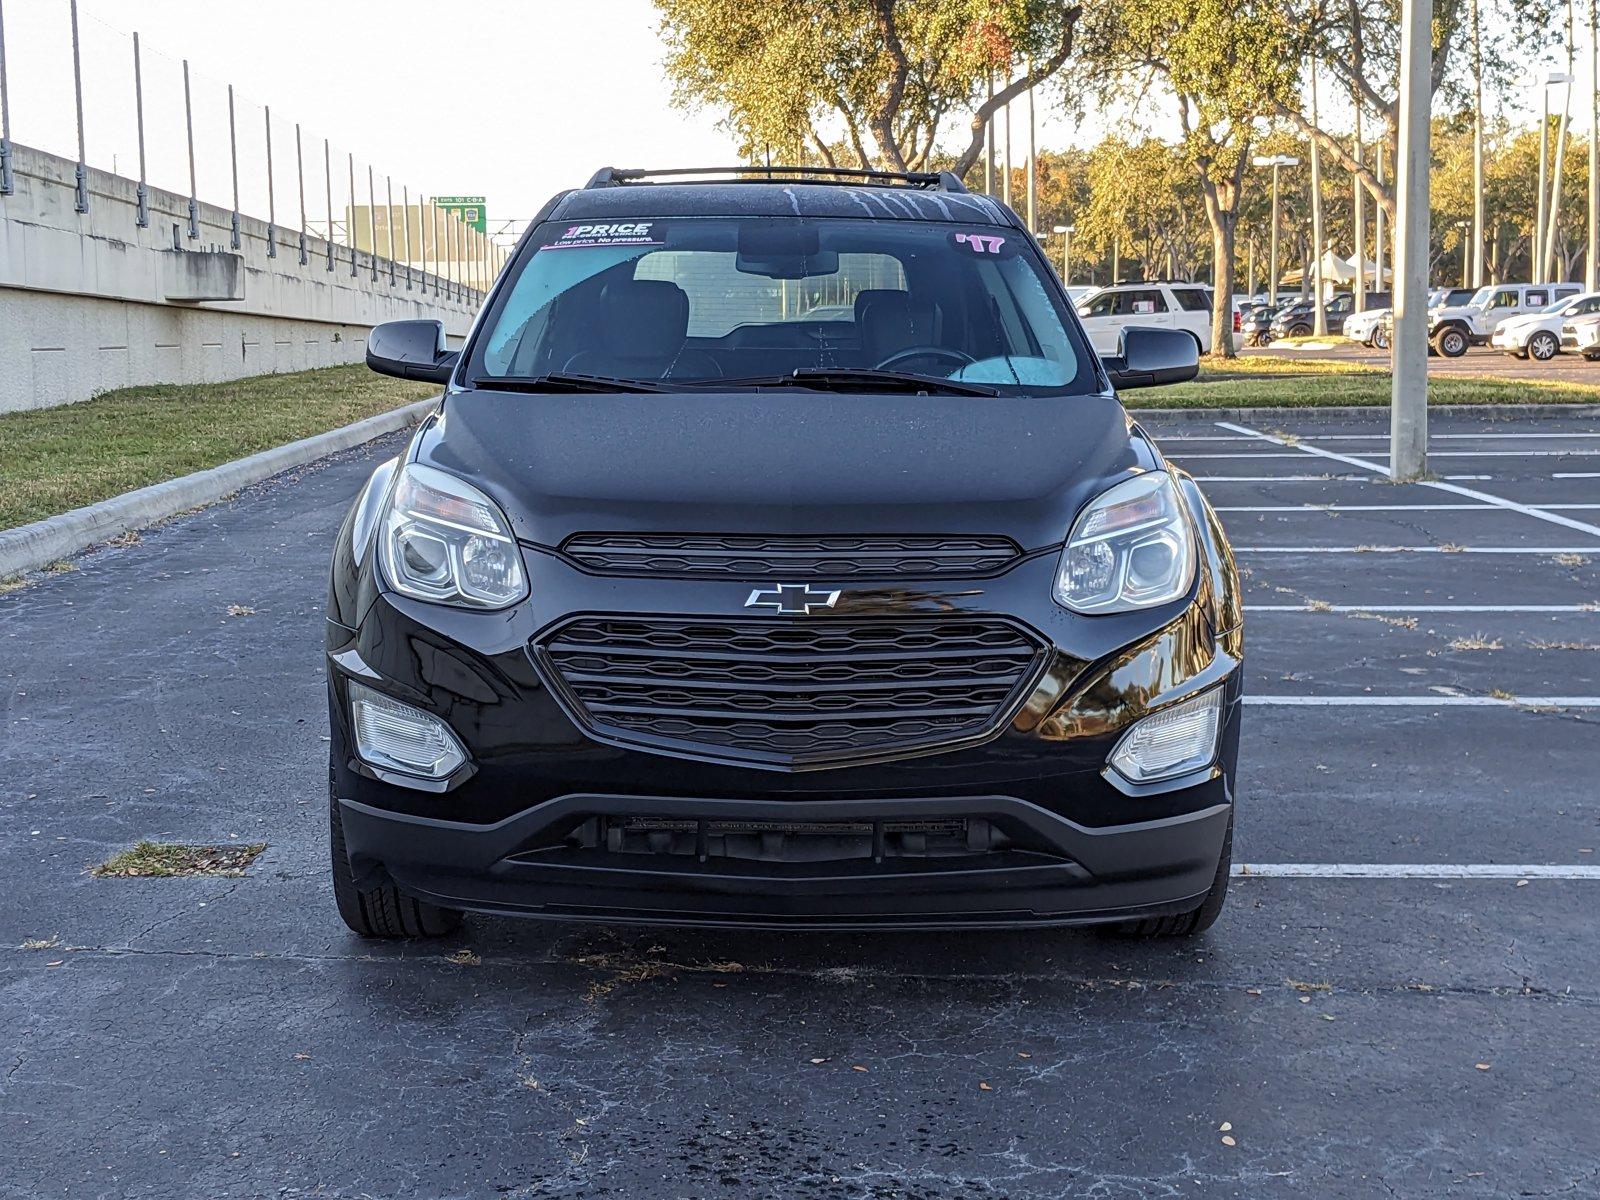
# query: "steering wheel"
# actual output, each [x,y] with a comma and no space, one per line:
[959,357]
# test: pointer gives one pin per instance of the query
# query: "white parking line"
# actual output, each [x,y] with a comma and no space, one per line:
[1344,508]
[1431,454]
[1376,437]
[1425,608]
[1413,871]
[1381,477]
[1369,465]
[1417,549]
[1423,701]
[1575,475]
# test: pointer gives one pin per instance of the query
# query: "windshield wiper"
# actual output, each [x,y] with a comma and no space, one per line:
[559,381]
[857,379]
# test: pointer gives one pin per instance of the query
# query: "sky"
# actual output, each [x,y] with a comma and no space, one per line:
[509,99]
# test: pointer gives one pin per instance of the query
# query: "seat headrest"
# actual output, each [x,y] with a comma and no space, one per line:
[893,321]
[643,318]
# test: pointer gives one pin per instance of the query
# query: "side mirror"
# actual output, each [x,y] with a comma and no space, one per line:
[1151,358]
[411,350]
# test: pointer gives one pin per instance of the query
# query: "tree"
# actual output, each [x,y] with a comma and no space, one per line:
[1227,63]
[1357,44]
[892,72]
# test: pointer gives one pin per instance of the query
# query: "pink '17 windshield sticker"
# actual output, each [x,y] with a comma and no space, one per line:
[614,233]
[989,245]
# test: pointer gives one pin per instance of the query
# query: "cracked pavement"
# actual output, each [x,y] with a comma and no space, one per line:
[226,1037]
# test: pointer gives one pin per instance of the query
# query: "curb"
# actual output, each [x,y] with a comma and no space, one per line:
[1492,412]
[29,547]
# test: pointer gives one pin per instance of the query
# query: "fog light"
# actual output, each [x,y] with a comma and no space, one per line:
[397,737]
[1172,742]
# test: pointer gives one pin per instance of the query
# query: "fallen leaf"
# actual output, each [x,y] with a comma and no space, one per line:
[1481,1066]
[1224,1127]
[1252,991]
[302,1055]
[857,1067]
[984,1087]
[1023,1054]
[1228,1141]
[817,1062]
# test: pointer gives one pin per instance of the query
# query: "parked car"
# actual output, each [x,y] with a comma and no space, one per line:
[1454,327]
[1582,335]
[1151,304]
[678,611]
[1538,335]
[1299,319]
[1367,327]
[1256,325]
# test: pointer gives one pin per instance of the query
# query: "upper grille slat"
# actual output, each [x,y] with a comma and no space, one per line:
[693,556]
[791,693]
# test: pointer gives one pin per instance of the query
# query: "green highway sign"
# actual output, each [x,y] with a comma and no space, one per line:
[469,208]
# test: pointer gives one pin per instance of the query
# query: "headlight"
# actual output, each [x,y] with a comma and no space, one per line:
[445,541]
[1131,548]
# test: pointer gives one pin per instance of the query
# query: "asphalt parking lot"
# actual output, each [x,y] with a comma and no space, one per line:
[1402,998]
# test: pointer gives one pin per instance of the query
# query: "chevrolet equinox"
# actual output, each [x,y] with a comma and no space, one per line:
[780,555]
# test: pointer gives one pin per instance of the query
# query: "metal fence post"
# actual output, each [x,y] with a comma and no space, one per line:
[272,195]
[233,155]
[143,193]
[82,172]
[350,218]
[405,199]
[327,182]
[6,184]
[372,221]
[300,170]
[388,221]
[194,190]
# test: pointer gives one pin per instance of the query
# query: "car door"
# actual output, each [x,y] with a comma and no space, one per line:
[1508,302]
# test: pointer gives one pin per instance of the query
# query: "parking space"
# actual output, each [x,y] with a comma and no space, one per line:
[1401,998]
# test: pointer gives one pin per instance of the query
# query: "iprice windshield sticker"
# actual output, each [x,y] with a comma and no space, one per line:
[614,233]
[984,245]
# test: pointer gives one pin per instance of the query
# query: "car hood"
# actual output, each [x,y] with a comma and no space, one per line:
[785,461]
[1464,311]
[1531,320]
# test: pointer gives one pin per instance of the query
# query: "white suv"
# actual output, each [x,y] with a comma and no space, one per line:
[1454,327]
[1157,304]
[1538,335]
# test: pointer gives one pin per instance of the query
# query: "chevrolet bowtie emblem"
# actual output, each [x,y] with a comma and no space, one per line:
[793,599]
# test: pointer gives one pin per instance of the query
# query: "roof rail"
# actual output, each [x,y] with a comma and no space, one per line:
[938,181]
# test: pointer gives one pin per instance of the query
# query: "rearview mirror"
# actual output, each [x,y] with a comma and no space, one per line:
[411,350]
[1152,357]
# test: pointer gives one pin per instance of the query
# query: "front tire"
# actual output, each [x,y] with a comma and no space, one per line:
[384,911]
[1450,342]
[1543,346]
[1195,921]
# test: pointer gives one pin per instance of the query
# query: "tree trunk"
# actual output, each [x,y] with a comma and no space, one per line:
[1223,266]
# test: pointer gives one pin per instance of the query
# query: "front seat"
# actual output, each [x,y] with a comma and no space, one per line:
[893,321]
[641,328]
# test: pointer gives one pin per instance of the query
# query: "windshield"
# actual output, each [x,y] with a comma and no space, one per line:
[1481,298]
[702,301]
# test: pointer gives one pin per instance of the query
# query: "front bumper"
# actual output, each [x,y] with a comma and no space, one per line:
[556,819]
[1054,871]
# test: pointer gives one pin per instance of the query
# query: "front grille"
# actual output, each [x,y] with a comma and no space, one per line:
[816,692]
[693,556]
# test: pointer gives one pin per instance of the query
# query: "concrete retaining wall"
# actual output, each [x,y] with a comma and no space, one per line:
[92,301]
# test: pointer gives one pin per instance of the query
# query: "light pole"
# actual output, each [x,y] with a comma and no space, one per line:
[1066,232]
[1544,219]
[1408,397]
[1274,161]
[1464,228]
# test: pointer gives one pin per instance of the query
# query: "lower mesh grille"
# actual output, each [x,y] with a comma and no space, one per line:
[790,693]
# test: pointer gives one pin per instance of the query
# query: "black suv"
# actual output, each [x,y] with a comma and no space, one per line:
[780,555]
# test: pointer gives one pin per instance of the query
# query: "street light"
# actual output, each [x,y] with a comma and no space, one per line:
[1466,241]
[1274,161]
[1542,216]
[1066,232]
